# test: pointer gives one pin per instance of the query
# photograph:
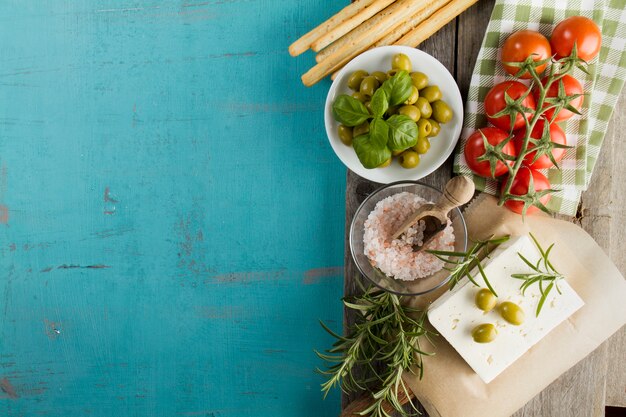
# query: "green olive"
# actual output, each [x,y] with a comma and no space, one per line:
[401,62]
[354,82]
[380,76]
[360,96]
[385,164]
[415,93]
[409,159]
[436,128]
[396,153]
[411,111]
[511,312]
[441,111]
[425,109]
[485,300]
[431,93]
[484,333]
[361,129]
[423,128]
[419,79]
[345,134]
[369,85]
[392,72]
[422,146]
[368,106]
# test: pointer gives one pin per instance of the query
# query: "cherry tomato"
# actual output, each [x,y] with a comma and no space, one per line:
[581,30]
[520,187]
[494,102]
[556,135]
[572,86]
[475,147]
[520,45]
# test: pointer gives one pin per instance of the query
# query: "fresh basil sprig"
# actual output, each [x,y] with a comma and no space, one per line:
[350,111]
[380,102]
[398,88]
[379,132]
[402,132]
[397,133]
[370,154]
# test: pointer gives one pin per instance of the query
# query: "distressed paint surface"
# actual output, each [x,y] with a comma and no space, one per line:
[171,215]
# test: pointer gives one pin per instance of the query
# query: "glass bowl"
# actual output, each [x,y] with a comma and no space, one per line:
[421,285]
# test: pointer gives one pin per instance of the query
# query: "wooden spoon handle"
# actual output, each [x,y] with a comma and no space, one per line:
[459,190]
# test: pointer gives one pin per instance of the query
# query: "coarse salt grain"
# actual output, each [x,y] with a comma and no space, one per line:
[395,257]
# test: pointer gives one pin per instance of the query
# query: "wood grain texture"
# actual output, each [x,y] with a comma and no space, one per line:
[601,377]
[603,215]
[136,137]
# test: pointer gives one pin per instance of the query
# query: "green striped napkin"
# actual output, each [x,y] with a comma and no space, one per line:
[603,85]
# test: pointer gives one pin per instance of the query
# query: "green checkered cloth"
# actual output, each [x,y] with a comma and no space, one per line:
[602,85]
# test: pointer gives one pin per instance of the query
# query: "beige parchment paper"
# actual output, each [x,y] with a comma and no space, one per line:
[450,388]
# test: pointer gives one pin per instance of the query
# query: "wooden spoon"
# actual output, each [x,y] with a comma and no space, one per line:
[458,191]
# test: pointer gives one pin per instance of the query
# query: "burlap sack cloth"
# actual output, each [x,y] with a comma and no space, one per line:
[450,388]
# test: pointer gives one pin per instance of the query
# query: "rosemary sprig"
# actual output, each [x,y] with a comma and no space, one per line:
[465,262]
[544,273]
[385,341]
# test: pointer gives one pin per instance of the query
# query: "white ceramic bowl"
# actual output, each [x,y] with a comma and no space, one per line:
[379,59]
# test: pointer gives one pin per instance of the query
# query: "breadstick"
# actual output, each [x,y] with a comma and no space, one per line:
[438,20]
[378,26]
[367,27]
[409,24]
[357,32]
[306,40]
[349,24]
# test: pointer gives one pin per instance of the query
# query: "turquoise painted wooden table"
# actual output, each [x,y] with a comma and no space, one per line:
[171,214]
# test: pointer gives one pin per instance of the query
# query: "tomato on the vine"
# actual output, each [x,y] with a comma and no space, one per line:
[571,87]
[556,136]
[495,102]
[520,186]
[475,148]
[522,44]
[581,30]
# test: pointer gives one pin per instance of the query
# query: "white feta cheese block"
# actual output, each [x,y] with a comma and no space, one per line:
[455,314]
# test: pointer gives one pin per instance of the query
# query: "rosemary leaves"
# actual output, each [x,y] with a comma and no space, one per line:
[545,273]
[384,342]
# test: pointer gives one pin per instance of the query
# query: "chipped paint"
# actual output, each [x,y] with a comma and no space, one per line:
[248,277]
[4,214]
[71,266]
[8,388]
[53,329]
[109,202]
[313,276]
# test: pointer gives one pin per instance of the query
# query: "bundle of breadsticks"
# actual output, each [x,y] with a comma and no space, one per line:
[366,24]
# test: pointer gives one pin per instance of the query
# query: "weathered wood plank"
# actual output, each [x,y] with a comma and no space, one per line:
[603,215]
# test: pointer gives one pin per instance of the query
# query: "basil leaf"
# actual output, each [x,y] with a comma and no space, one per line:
[398,88]
[349,111]
[370,155]
[402,132]
[380,102]
[379,133]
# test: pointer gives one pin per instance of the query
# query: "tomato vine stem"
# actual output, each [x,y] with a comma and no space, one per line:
[557,70]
